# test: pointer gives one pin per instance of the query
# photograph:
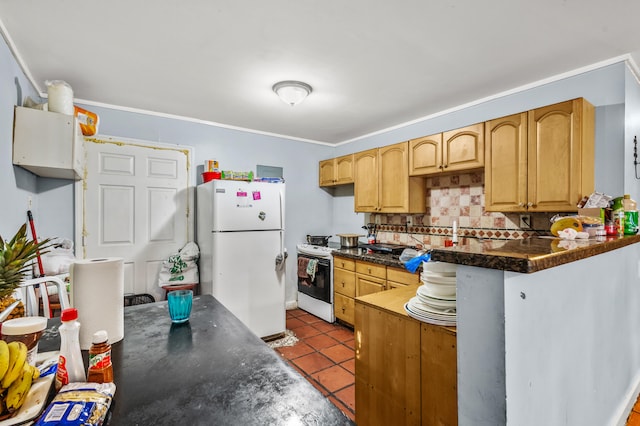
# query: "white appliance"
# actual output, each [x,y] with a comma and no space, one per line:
[242,255]
[315,295]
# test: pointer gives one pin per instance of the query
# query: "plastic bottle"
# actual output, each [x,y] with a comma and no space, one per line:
[70,364]
[618,216]
[100,367]
[630,215]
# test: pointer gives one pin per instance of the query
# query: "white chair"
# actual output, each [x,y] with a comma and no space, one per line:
[32,300]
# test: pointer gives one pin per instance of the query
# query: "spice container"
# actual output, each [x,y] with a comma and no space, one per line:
[100,367]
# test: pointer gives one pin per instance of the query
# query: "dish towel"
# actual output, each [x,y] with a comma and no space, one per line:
[312,268]
[303,264]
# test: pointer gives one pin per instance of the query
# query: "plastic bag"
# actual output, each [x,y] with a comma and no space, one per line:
[414,263]
[79,404]
[59,257]
[181,268]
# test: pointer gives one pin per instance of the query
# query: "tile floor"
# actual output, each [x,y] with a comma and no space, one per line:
[324,355]
[634,416]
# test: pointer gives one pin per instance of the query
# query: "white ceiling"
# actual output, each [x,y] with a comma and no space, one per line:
[372,64]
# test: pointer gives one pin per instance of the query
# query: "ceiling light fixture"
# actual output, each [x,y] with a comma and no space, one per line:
[292,92]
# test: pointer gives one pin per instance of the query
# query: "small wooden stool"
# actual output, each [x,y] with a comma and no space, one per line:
[174,287]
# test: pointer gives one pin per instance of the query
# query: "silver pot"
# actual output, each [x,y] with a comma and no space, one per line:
[349,240]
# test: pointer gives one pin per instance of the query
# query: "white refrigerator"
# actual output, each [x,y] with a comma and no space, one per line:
[240,233]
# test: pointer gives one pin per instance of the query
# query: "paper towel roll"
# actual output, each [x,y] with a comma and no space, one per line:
[97,292]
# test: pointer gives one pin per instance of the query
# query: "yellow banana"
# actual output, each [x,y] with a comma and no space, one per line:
[4,358]
[17,392]
[35,372]
[17,359]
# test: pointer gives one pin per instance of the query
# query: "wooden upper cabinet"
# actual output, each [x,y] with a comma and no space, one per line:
[506,163]
[455,150]
[393,178]
[327,170]
[365,174]
[336,171]
[425,155]
[463,149]
[382,182]
[540,160]
[561,144]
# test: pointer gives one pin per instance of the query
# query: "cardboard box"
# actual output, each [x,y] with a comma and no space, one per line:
[593,212]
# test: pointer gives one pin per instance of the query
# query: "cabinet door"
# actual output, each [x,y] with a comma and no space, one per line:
[344,282]
[344,308]
[365,170]
[506,163]
[439,376]
[402,276]
[387,368]
[425,155]
[393,171]
[344,169]
[327,170]
[366,284]
[560,157]
[463,149]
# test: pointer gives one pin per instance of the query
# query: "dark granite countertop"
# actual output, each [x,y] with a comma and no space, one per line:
[523,255]
[361,254]
[527,255]
[210,370]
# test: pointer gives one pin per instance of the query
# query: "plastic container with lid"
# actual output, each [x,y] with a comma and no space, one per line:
[100,366]
[70,363]
[27,330]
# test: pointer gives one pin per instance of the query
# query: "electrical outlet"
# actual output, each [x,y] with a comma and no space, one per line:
[525,221]
[409,221]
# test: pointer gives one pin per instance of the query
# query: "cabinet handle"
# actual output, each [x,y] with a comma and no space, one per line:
[530,204]
[369,269]
[446,165]
[520,204]
[342,283]
[343,310]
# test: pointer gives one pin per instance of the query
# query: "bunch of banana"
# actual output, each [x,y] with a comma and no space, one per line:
[16,376]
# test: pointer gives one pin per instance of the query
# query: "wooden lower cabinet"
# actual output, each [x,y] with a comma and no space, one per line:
[387,368]
[439,381]
[354,278]
[406,370]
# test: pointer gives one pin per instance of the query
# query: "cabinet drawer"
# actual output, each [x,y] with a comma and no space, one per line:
[344,263]
[344,308]
[402,276]
[372,269]
[366,284]
[344,282]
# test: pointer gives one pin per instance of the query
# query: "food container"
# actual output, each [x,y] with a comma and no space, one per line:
[318,240]
[349,240]
[27,330]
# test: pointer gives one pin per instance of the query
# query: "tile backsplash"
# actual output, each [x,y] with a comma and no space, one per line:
[457,197]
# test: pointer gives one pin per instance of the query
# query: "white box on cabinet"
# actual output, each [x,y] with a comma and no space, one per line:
[49,144]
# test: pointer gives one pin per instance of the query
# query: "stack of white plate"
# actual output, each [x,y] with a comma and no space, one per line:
[435,300]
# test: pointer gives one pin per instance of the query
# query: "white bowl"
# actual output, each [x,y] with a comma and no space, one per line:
[442,268]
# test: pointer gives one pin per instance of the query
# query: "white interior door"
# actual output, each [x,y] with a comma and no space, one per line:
[135,202]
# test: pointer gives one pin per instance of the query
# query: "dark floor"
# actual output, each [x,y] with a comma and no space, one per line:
[324,355]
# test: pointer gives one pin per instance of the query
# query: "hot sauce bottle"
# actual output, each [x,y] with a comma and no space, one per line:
[100,367]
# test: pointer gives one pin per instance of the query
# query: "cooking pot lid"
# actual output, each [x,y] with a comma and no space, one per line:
[349,235]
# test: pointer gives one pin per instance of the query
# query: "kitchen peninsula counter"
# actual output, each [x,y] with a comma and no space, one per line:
[210,370]
[527,255]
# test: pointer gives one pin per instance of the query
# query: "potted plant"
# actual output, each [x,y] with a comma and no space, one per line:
[15,257]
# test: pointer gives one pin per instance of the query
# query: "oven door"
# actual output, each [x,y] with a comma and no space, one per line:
[319,285]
